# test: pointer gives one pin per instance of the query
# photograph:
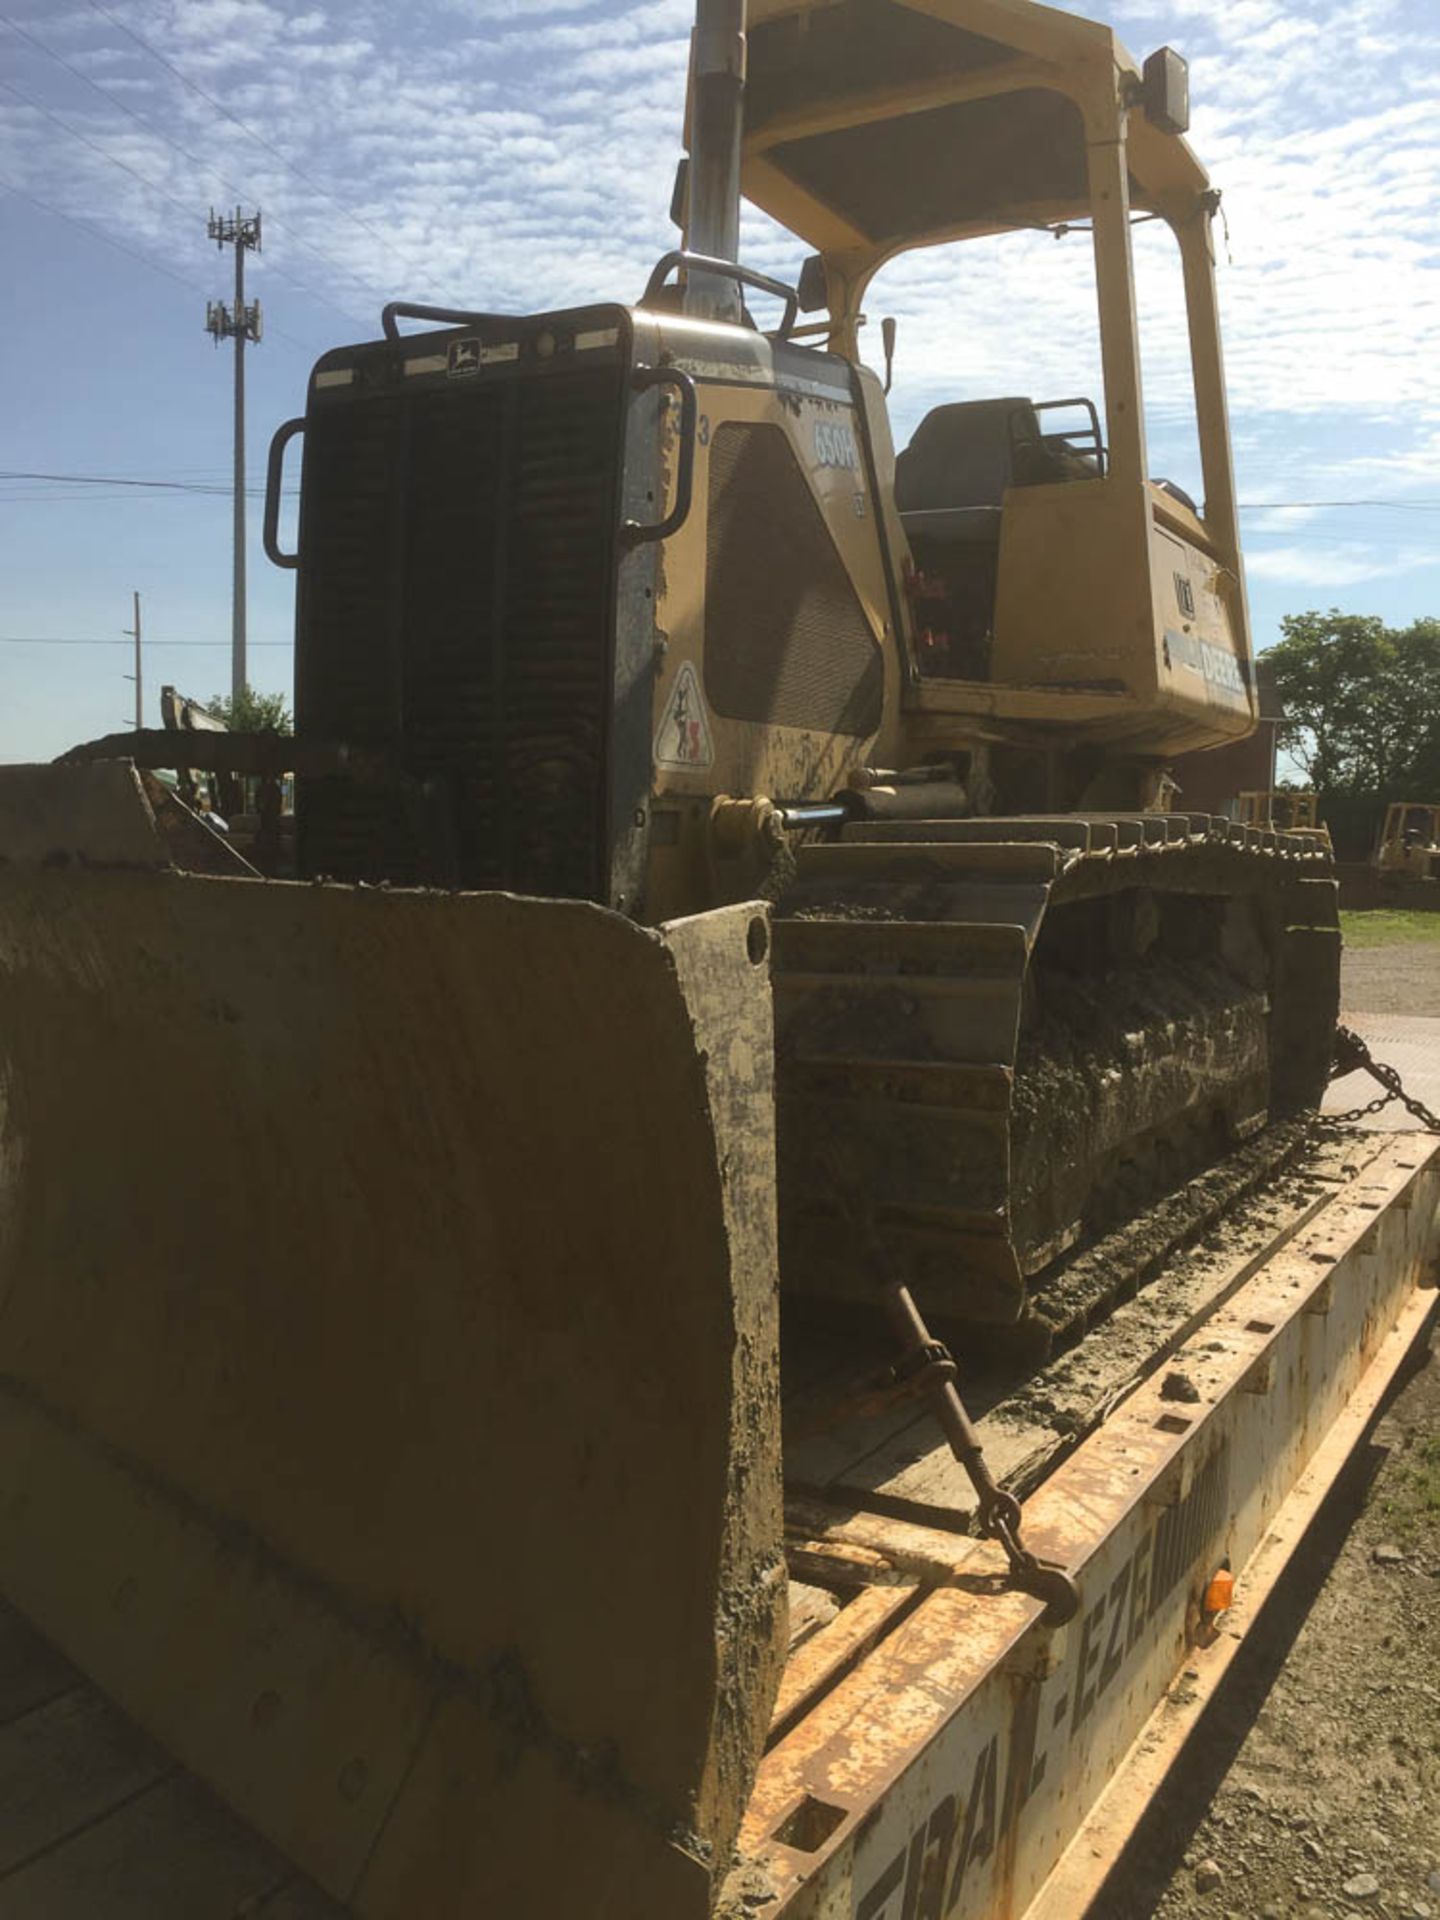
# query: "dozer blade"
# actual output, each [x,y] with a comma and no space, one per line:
[388,1359]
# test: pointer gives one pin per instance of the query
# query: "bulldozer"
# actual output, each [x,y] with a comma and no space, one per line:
[727,850]
[1286,807]
[640,606]
[1407,848]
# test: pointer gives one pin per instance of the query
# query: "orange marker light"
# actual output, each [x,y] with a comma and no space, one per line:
[1220,1594]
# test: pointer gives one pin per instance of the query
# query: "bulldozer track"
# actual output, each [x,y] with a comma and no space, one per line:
[1015,1033]
[1084,1288]
[836,1369]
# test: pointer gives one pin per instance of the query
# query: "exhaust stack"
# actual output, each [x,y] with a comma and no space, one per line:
[716,121]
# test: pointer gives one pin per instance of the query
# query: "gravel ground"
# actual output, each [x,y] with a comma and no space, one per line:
[1316,1795]
[1313,1791]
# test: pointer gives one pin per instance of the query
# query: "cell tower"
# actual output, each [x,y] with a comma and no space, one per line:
[240,323]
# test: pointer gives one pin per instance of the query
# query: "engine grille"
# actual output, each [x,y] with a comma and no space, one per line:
[786,639]
[456,613]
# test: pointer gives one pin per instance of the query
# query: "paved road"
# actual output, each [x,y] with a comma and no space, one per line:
[1408,1042]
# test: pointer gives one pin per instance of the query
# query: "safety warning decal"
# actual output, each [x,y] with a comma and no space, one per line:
[683,741]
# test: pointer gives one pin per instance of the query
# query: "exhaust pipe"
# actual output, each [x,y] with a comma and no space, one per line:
[717,99]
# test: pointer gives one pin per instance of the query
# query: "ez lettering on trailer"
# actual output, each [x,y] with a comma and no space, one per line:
[950,1848]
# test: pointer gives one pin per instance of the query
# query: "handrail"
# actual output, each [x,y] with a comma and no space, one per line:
[726,270]
[447,316]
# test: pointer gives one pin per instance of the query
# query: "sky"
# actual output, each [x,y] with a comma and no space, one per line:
[518,155]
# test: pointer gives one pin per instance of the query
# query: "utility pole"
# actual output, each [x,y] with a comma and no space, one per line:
[139,669]
[134,632]
[240,323]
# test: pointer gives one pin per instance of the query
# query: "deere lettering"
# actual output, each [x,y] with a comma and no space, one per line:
[1215,664]
[926,1879]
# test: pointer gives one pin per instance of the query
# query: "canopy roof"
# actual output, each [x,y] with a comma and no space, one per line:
[876,125]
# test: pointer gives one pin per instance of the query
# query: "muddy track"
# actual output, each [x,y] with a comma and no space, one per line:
[1125,1306]
[992,1050]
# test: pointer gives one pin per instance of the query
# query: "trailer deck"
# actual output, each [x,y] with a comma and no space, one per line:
[937,1750]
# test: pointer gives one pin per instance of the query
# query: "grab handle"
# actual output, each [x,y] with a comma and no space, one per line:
[270,532]
[633,531]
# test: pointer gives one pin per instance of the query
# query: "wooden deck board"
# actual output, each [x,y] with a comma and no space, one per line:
[97,1822]
[811,1608]
[172,1853]
[31,1670]
[297,1901]
[65,1765]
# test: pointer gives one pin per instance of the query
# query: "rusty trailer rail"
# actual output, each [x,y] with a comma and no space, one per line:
[969,1761]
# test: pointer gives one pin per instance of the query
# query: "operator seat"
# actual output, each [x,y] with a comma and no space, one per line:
[949,483]
[963,456]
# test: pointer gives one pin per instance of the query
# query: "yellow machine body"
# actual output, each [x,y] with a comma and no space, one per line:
[1284,807]
[1409,844]
[873,128]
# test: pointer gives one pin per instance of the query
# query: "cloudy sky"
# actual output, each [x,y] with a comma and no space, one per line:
[518,154]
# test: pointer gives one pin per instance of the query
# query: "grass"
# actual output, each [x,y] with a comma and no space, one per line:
[1389,927]
[1411,1499]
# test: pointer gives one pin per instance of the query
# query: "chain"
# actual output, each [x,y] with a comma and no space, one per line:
[928,1367]
[1351,1053]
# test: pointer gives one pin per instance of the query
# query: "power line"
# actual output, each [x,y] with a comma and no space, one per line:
[94,498]
[97,497]
[206,165]
[1292,506]
[205,488]
[202,486]
[250,133]
[85,227]
[94,146]
[48,640]
[95,233]
[115,480]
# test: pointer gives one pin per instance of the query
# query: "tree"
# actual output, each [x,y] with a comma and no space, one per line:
[253,712]
[1362,703]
